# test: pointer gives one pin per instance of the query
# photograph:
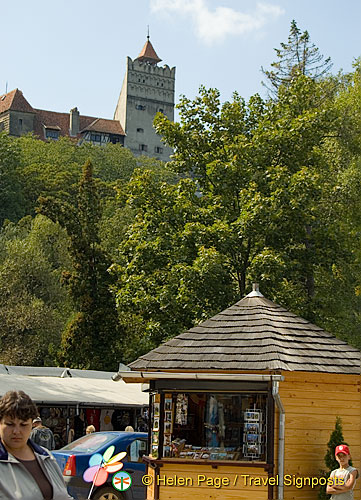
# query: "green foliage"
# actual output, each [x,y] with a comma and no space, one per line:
[11,196]
[54,168]
[272,169]
[91,336]
[29,169]
[170,270]
[33,306]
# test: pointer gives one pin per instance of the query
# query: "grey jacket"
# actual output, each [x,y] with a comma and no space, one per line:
[43,437]
[17,483]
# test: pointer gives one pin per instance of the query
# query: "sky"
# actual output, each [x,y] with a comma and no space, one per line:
[73,52]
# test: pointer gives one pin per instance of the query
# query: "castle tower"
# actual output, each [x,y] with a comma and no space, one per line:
[147,89]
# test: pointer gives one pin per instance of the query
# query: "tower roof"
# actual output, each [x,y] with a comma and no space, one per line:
[15,101]
[253,334]
[148,54]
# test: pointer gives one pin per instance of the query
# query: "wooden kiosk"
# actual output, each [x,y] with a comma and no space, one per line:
[242,405]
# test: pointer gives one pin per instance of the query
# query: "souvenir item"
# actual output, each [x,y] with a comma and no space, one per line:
[253,437]
[181,411]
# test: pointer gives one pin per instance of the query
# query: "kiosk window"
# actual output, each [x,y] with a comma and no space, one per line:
[214,426]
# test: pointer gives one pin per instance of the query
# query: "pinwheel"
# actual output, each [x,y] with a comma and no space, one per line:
[100,466]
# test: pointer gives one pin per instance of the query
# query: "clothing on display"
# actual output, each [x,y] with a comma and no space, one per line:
[106,420]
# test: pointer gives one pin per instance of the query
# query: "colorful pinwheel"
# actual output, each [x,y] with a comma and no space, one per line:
[100,466]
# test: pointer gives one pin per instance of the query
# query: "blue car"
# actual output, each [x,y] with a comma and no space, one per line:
[74,458]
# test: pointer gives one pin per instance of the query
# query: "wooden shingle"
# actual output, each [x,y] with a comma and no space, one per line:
[253,334]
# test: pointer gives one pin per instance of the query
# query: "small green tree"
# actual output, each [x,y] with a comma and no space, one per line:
[331,463]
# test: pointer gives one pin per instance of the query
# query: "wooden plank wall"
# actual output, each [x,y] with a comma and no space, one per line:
[238,489]
[312,401]
[151,489]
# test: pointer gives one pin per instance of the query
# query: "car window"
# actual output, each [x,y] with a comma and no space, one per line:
[89,443]
[136,450]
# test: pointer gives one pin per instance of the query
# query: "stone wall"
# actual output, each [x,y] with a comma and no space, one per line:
[20,123]
[147,89]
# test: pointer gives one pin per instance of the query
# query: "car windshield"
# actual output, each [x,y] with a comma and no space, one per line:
[89,443]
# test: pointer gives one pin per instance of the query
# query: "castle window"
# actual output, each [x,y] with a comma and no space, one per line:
[20,123]
[158,149]
[143,147]
[140,130]
[161,110]
[95,137]
[52,134]
[140,107]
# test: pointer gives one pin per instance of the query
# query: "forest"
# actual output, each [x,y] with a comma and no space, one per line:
[104,255]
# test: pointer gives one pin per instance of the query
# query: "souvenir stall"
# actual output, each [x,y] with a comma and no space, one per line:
[239,404]
[209,425]
[70,400]
[69,422]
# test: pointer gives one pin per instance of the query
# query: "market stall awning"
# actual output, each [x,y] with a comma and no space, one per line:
[75,390]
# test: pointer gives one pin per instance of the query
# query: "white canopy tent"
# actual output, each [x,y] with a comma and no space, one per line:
[86,388]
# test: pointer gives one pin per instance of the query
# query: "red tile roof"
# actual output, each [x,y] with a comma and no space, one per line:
[52,119]
[148,54]
[15,101]
[104,125]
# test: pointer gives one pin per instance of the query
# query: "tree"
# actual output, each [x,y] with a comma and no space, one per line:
[92,337]
[336,439]
[261,163]
[53,168]
[11,195]
[249,210]
[33,305]
[285,193]
[296,57]
[169,268]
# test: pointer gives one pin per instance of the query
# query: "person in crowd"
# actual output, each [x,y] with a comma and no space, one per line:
[129,428]
[42,435]
[27,470]
[90,429]
[343,478]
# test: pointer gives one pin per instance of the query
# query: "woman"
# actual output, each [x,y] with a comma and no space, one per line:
[27,471]
[90,429]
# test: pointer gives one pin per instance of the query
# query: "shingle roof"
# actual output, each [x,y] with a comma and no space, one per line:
[253,334]
[148,54]
[15,101]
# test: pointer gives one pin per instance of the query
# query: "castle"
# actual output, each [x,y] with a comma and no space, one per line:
[147,89]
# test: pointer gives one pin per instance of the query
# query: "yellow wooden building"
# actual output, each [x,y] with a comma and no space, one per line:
[242,406]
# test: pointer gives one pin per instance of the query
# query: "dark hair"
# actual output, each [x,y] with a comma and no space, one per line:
[17,404]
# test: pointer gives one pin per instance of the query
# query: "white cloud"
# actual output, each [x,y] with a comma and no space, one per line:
[215,25]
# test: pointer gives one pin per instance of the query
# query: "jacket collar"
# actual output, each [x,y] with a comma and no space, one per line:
[37,449]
